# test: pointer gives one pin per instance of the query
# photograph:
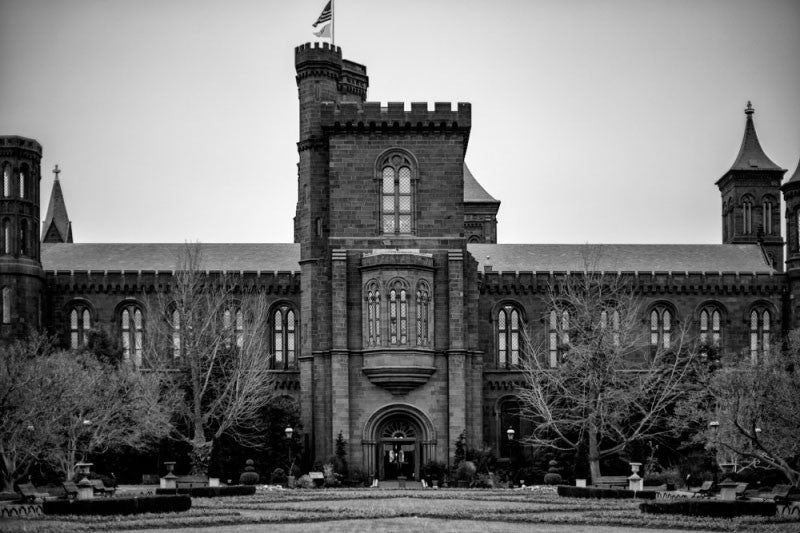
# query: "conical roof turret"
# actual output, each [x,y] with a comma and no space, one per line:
[795,179]
[751,155]
[57,227]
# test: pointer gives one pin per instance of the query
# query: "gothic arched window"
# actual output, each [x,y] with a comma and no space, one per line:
[747,215]
[6,295]
[398,314]
[710,326]
[397,194]
[7,239]
[21,184]
[509,325]
[6,181]
[558,335]
[284,338]
[760,327]
[661,319]
[373,314]
[80,322]
[615,338]
[423,314]
[766,212]
[233,327]
[131,326]
[24,238]
[175,325]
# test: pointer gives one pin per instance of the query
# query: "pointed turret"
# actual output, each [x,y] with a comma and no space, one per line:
[791,195]
[750,191]
[480,211]
[57,227]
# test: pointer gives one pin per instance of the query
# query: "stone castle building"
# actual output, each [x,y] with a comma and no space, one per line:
[396,318]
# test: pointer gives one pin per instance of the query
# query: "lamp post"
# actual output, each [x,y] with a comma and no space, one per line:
[714,427]
[510,433]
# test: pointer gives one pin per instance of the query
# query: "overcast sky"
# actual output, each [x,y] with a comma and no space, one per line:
[599,121]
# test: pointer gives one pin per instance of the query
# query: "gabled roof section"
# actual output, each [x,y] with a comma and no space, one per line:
[751,155]
[621,257]
[283,257]
[57,227]
[473,191]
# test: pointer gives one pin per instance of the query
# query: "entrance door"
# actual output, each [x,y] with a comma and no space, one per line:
[398,452]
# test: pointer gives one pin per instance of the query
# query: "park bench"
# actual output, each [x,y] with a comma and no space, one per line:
[611,481]
[191,482]
[778,494]
[100,488]
[706,489]
[71,489]
[30,493]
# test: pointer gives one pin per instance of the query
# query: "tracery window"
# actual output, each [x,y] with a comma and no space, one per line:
[373,314]
[509,324]
[747,216]
[710,326]
[397,198]
[398,314]
[766,211]
[80,322]
[423,314]
[132,332]
[175,324]
[558,338]
[7,296]
[22,184]
[760,325]
[661,327]
[284,338]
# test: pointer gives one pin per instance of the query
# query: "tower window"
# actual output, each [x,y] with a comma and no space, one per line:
[660,327]
[615,338]
[23,238]
[233,325]
[22,184]
[558,338]
[759,332]
[508,329]
[747,216]
[6,181]
[284,338]
[131,329]
[423,314]
[397,195]
[766,210]
[6,295]
[7,248]
[176,333]
[80,322]
[373,314]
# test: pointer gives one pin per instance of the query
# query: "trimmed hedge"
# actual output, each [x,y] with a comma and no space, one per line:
[118,506]
[212,492]
[713,508]
[597,492]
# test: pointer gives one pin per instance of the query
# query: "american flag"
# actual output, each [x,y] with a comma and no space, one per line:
[325,16]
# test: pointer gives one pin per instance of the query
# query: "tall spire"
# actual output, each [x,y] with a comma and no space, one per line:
[751,155]
[57,227]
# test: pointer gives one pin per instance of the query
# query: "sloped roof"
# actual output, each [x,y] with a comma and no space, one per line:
[57,214]
[158,256]
[796,176]
[473,191]
[621,257]
[751,155]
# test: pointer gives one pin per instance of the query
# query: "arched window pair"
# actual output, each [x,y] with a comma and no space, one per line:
[558,335]
[747,215]
[284,337]
[509,327]
[233,327]
[760,328]
[22,178]
[397,178]
[80,322]
[661,324]
[710,326]
[131,328]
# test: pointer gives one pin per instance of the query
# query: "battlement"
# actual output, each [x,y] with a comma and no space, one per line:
[371,115]
[23,143]
[317,52]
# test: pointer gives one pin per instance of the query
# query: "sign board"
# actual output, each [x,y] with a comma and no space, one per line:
[316,475]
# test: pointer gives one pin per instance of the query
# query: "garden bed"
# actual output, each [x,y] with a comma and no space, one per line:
[118,506]
[212,492]
[596,492]
[713,508]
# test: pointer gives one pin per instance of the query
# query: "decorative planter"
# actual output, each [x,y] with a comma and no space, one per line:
[213,482]
[291,482]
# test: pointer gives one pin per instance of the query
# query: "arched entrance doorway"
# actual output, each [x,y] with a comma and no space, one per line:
[398,440]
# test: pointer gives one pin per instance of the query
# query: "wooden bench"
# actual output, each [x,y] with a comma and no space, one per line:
[100,488]
[30,493]
[191,482]
[611,481]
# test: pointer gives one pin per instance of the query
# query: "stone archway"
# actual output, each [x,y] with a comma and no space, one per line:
[397,441]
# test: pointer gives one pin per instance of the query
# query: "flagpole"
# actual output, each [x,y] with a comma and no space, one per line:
[333,24]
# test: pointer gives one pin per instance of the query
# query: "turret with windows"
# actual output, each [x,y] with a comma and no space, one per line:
[751,197]
[791,195]
[21,275]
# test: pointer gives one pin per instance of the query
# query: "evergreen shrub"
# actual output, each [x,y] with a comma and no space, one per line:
[118,506]
[713,508]
[602,493]
[212,492]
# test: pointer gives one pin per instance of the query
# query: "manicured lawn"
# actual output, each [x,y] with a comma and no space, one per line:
[443,511]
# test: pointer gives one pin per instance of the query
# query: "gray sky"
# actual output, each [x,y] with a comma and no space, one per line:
[600,121]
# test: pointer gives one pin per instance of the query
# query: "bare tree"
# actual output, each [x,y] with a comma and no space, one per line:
[600,382]
[755,408]
[210,331]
